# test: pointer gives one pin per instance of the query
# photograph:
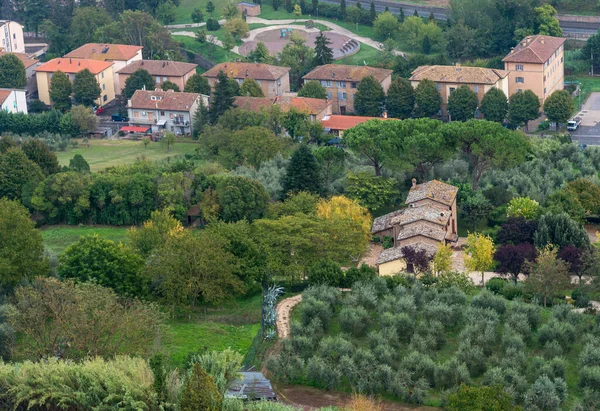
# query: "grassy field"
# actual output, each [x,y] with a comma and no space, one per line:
[57,238]
[366,54]
[214,53]
[588,84]
[183,13]
[108,153]
[234,325]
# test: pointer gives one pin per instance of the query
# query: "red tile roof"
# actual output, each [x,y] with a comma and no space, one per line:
[27,62]
[160,67]
[105,52]
[534,49]
[257,71]
[70,65]
[347,73]
[339,122]
[4,95]
[163,100]
[134,129]
[458,74]
[305,104]
[433,190]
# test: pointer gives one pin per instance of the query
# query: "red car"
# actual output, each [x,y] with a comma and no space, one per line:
[99,111]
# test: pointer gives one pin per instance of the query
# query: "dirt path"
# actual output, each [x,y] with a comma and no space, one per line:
[284,309]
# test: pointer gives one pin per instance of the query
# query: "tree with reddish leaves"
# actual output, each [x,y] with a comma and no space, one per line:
[517,230]
[417,258]
[511,258]
[574,257]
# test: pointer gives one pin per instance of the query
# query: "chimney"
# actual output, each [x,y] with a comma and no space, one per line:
[385,114]
[163,64]
[414,182]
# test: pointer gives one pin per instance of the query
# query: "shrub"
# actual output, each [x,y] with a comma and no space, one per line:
[446,314]
[552,349]
[452,296]
[479,398]
[212,24]
[401,323]
[200,392]
[519,324]
[312,308]
[362,273]
[386,335]
[364,295]
[512,380]
[420,365]
[564,312]
[589,377]
[485,299]
[451,374]
[331,349]
[590,356]
[354,320]
[546,394]
[512,341]
[323,374]
[496,284]
[388,242]
[561,332]
[329,295]
[512,291]
[434,331]
[456,279]
[531,311]
[409,388]
[472,356]
[398,280]
[404,304]
[385,354]
[325,272]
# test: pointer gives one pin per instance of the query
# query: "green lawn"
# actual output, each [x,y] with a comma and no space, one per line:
[108,153]
[57,238]
[366,54]
[234,325]
[588,84]
[214,53]
[183,13]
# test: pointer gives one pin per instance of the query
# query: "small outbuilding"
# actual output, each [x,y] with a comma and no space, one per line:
[250,9]
[251,386]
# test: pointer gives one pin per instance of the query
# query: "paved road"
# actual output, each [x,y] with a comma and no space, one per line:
[589,131]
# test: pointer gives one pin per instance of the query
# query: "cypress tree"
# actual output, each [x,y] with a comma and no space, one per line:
[431,17]
[426,45]
[302,173]
[401,18]
[200,392]
[372,13]
[400,99]
[369,98]
[343,9]
[323,53]
[223,97]
[416,13]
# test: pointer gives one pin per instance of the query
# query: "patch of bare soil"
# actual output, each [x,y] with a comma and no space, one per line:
[284,311]
[372,254]
[309,398]
[592,229]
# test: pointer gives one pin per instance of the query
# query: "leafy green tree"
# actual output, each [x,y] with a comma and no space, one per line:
[154,233]
[560,230]
[12,72]
[168,140]
[487,144]
[165,12]
[251,88]
[372,192]
[523,107]
[78,163]
[200,392]
[63,197]
[462,104]
[562,201]
[312,89]
[428,100]
[60,91]
[559,106]
[104,262]
[38,151]
[86,88]
[331,160]
[523,207]
[137,81]
[494,105]
[210,7]
[400,99]
[370,139]
[302,173]
[468,398]
[369,99]
[197,84]
[260,54]
[241,198]
[386,26]
[323,53]
[548,274]
[546,21]
[17,172]
[223,97]
[169,85]
[230,11]
[228,41]
[479,253]
[426,45]
[22,253]
[299,57]
[295,122]
[83,119]
[474,209]
[201,119]
[414,30]
[237,27]
[461,41]
[197,16]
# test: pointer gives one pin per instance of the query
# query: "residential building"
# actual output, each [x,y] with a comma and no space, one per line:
[161,70]
[251,9]
[11,37]
[102,70]
[341,82]
[30,66]
[315,108]
[164,110]
[13,101]
[536,64]
[273,80]
[118,54]
[448,78]
[428,221]
[337,124]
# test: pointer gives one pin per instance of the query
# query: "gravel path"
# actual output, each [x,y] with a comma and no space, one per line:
[284,309]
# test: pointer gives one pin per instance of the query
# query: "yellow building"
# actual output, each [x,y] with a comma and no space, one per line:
[102,70]
[536,64]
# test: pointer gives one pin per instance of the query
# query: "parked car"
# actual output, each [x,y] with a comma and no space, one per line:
[118,117]
[99,110]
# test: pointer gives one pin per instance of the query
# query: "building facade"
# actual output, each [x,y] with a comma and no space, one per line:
[30,66]
[118,54]
[536,64]
[449,78]
[251,9]
[341,82]
[13,101]
[273,80]
[430,219]
[102,70]
[164,110]
[161,70]
[11,37]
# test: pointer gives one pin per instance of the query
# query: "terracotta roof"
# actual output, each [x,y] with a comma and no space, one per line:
[163,100]
[434,190]
[104,52]
[257,71]
[27,62]
[339,122]
[395,253]
[420,228]
[534,49]
[135,129]
[70,65]
[4,95]
[383,222]
[346,73]
[458,74]
[159,67]
[426,212]
[304,104]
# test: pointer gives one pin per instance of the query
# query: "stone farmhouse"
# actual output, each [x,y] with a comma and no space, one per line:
[428,221]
